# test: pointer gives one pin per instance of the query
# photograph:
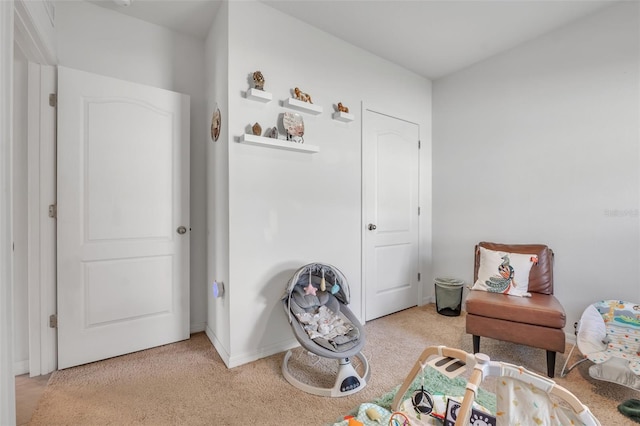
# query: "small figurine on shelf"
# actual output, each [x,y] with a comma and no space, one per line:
[301,96]
[342,108]
[258,80]
[257,129]
[273,133]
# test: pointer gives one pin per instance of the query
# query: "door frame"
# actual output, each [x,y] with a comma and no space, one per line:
[422,201]
[7,380]
[41,141]
[29,36]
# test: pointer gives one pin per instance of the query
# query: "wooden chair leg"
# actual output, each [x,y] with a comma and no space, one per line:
[476,344]
[551,364]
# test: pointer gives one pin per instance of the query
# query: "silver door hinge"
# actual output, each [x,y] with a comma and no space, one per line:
[419,145]
[53,100]
[418,276]
[418,211]
[53,211]
[53,321]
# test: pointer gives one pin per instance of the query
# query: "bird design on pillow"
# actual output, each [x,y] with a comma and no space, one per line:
[502,283]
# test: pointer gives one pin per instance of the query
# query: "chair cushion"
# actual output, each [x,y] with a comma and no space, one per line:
[540,276]
[506,273]
[539,309]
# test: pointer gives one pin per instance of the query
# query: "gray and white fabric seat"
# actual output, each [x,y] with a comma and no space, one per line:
[316,302]
[608,335]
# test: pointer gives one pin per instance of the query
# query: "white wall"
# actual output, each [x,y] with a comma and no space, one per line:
[287,208]
[217,65]
[20,272]
[541,144]
[101,41]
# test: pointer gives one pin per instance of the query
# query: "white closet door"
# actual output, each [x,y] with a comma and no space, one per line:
[391,176]
[123,217]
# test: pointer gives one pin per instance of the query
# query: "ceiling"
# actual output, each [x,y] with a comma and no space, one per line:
[192,17]
[432,38]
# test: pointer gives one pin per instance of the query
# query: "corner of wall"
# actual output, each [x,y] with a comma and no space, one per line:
[217,171]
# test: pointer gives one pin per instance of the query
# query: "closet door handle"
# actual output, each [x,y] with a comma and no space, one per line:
[371,227]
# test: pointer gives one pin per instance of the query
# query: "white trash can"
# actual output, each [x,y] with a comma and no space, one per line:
[449,296]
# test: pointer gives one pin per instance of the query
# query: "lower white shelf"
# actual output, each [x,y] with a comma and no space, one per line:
[277,143]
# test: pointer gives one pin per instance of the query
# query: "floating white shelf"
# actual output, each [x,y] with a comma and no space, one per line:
[277,143]
[343,116]
[259,95]
[302,106]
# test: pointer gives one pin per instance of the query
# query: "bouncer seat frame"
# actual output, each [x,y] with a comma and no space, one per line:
[608,335]
[330,290]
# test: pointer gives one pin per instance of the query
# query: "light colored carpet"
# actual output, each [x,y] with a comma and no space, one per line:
[187,383]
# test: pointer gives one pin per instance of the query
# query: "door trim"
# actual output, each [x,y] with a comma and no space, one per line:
[29,34]
[363,217]
[7,381]
[41,256]
[41,228]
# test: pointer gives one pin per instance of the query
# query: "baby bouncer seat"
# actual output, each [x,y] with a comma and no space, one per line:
[608,334]
[316,302]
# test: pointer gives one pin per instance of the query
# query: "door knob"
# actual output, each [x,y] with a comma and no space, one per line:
[371,227]
[181,230]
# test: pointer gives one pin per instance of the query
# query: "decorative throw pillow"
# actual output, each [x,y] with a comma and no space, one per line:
[502,272]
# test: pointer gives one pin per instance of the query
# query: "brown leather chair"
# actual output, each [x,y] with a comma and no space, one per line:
[536,321]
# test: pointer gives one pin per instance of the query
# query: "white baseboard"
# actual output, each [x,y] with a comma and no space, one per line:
[570,337]
[21,367]
[237,360]
[260,353]
[217,345]
[197,327]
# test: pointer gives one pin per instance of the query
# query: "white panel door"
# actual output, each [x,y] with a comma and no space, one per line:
[391,175]
[123,195]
